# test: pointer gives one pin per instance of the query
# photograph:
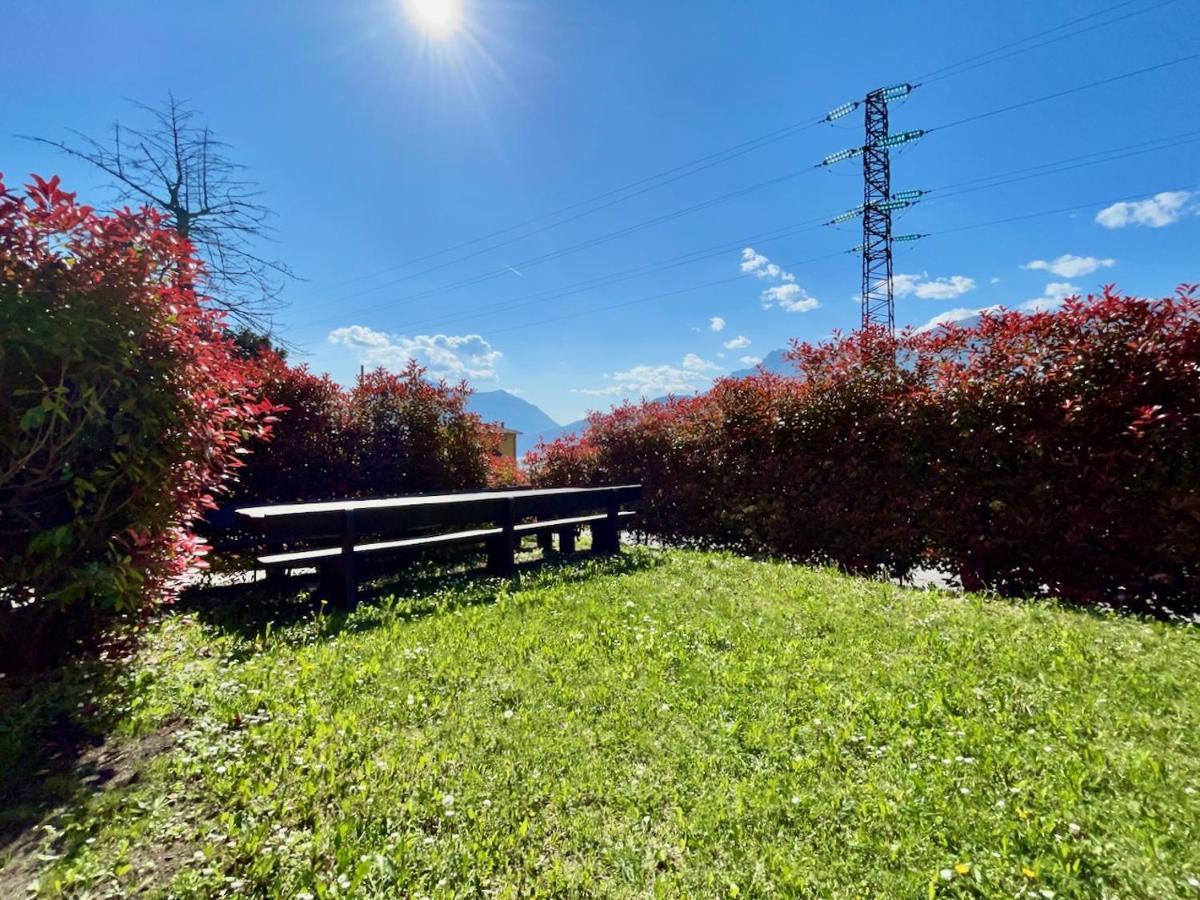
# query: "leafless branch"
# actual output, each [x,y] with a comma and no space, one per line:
[178,166]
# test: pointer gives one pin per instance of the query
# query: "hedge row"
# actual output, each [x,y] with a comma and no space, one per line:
[388,434]
[125,403]
[129,413]
[1048,454]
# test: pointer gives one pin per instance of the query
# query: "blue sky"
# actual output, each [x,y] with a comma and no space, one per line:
[377,144]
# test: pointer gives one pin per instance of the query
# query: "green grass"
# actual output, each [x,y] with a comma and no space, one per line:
[674,724]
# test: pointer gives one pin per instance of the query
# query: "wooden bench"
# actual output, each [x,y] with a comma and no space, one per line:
[354,529]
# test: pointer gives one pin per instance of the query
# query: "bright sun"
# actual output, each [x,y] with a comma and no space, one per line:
[437,18]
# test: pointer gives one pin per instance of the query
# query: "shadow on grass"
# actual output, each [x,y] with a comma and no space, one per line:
[420,589]
[53,753]
[54,726]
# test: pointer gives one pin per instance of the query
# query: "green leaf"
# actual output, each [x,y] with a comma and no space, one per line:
[33,418]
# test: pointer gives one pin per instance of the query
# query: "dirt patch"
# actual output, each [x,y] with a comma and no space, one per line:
[109,766]
[79,765]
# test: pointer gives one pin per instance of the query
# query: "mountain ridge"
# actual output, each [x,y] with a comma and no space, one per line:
[534,424]
[517,413]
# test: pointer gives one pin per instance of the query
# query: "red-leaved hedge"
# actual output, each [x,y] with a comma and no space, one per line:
[391,433]
[125,404]
[1054,453]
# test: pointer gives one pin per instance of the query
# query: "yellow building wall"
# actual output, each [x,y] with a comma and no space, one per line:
[508,444]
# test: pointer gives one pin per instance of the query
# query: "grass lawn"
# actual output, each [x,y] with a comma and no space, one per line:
[671,724]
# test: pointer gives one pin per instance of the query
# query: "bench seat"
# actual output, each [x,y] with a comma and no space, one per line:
[433,540]
[300,557]
[556,524]
[338,535]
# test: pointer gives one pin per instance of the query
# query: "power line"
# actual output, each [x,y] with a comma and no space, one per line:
[706,204]
[692,169]
[585,244]
[695,287]
[878,302]
[1166,143]
[1066,93]
[1050,212]
[980,59]
[954,189]
[508,307]
[771,182]
[674,293]
[617,277]
[1192,139]
[907,136]
[607,281]
[684,170]
[687,259]
[1056,167]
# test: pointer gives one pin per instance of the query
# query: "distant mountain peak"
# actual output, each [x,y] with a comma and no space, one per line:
[776,361]
[517,413]
[534,425]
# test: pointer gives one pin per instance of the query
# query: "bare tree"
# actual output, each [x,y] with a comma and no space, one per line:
[177,165]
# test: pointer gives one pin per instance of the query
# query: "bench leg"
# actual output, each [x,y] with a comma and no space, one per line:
[345,589]
[336,585]
[601,542]
[276,577]
[566,540]
[327,580]
[347,581]
[502,559]
[545,541]
[606,534]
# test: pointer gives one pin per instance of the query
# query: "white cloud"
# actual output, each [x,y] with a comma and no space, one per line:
[738,343]
[1070,266]
[691,375]
[902,285]
[937,289]
[694,363]
[716,323]
[945,288]
[995,280]
[754,263]
[750,360]
[790,297]
[960,314]
[786,295]
[444,355]
[1161,209]
[1052,296]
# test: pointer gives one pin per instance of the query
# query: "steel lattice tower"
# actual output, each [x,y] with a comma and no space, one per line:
[877,302]
[878,200]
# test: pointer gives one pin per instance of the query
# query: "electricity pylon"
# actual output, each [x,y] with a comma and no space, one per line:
[878,305]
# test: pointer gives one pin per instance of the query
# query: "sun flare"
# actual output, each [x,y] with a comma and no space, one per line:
[437,18]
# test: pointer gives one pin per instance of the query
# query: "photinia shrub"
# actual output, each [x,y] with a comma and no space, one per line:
[503,472]
[124,404]
[413,435]
[1056,453]
[1076,464]
[391,433]
[309,454]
